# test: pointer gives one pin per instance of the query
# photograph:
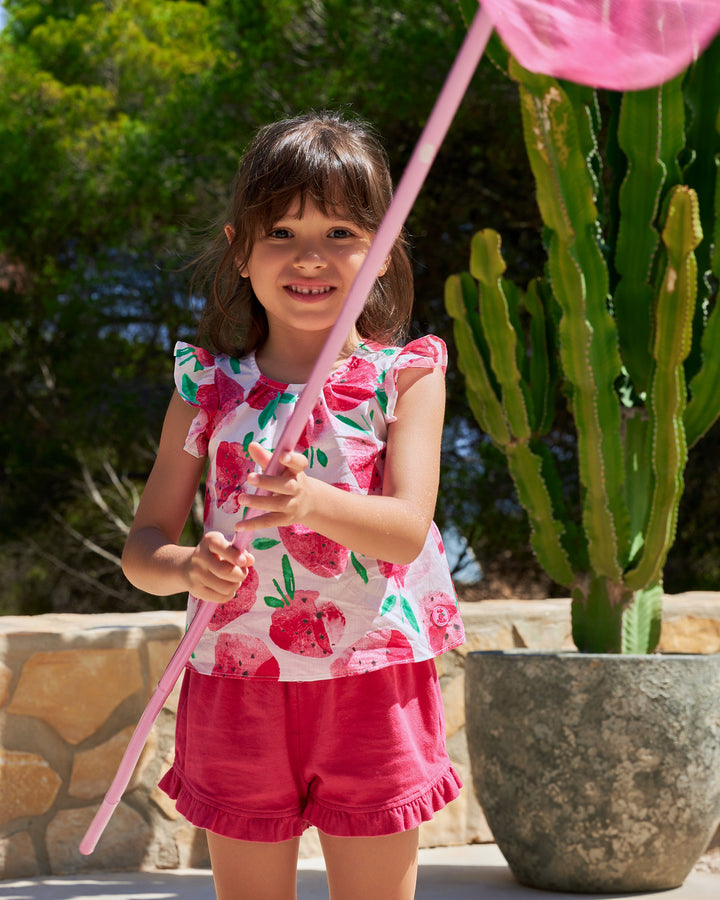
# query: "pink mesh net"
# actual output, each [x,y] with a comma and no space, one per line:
[616,44]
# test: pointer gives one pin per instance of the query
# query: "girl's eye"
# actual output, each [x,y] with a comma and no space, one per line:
[280,233]
[341,233]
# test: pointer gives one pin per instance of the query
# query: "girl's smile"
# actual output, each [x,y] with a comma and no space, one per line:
[309,292]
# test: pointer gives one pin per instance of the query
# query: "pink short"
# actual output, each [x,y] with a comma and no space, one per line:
[357,756]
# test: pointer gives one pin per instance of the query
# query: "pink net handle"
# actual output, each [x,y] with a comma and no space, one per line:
[623,45]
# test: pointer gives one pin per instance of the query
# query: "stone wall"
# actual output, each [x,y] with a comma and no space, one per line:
[72,689]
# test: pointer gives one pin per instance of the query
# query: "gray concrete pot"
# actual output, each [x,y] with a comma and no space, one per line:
[597,773]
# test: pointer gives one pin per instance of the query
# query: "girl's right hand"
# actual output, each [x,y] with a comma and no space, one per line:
[216,569]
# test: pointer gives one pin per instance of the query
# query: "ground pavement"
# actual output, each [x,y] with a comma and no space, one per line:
[476,871]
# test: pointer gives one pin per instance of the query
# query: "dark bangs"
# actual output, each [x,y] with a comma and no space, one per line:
[324,158]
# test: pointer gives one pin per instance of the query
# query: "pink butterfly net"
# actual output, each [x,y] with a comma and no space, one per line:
[617,44]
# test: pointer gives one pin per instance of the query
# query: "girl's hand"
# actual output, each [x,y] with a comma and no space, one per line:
[289,495]
[216,569]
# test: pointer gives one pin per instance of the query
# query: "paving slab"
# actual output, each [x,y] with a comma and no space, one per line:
[470,872]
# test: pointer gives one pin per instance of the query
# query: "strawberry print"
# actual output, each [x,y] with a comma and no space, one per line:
[353,386]
[429,348]
[361,456]
[317,423]
[394,571]
[262,394]
[228,390]
[374,651]
[245,657]
[204,358]
[302,623]
[231,472]
[311,608]
[441,620]
[241,603]
[316,553]
[307,626]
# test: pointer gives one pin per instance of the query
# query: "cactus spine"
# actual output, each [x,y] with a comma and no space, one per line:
[624,322]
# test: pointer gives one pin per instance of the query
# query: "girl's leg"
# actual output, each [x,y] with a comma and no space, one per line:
[250,870]
[359,868]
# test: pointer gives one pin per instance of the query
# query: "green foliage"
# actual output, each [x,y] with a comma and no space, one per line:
[616,311]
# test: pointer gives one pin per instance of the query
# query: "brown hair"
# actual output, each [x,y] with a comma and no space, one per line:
[339,163]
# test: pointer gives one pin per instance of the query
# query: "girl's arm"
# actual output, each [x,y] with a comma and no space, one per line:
[392,526]
[152,559]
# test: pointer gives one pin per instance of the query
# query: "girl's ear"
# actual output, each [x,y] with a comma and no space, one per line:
[385,267]
[230,235]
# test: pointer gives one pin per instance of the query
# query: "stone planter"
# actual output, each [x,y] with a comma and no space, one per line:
[597,773]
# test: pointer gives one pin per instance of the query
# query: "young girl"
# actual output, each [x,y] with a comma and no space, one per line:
[312,698]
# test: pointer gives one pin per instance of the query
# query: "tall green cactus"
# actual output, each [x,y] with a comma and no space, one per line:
[625,323]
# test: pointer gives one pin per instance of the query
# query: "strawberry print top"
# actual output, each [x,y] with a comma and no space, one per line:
[311,609]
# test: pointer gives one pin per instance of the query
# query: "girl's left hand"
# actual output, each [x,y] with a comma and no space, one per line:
[289,495]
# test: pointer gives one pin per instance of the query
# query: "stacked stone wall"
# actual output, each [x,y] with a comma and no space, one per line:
[72,689]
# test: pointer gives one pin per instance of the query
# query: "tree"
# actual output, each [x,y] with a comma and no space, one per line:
[91,200]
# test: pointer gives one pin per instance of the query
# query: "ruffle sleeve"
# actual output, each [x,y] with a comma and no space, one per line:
[427,352]
[195,382]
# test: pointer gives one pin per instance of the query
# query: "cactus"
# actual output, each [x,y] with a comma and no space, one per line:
[623,322]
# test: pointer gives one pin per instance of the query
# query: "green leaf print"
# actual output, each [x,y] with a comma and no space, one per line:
[247,440]
[288,576]
[380,393]
[313,455]
[282,600]
[275,602]
[410,615]
[185,355]
[189,388]
[359,568]
[388,604]
[264,543]
[235,365]
[350,422]
[269,412]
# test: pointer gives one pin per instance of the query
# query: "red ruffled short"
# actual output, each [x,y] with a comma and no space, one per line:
[359,756]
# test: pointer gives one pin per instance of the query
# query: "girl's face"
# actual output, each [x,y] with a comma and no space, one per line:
[302,269]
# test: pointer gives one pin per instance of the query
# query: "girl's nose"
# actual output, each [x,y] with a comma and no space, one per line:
[310,257]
